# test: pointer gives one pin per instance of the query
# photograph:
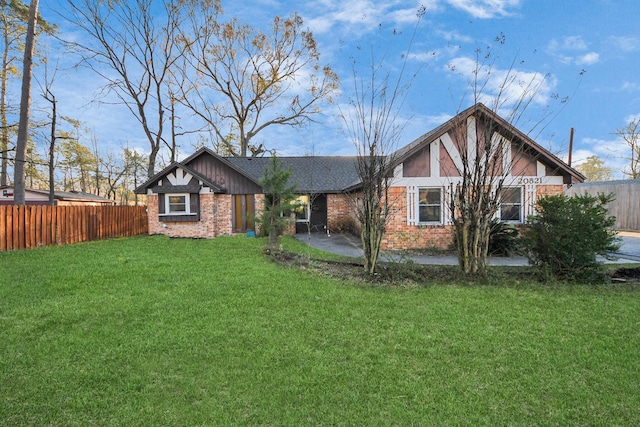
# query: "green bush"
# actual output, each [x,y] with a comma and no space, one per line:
[279,200]
[503,238]
[567,234]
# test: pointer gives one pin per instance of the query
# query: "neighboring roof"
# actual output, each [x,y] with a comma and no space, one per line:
[311,174]
[67,195]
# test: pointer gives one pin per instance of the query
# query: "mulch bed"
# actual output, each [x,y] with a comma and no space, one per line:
[403,274]
[628,275]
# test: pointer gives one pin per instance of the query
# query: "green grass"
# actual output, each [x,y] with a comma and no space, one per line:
[158,331]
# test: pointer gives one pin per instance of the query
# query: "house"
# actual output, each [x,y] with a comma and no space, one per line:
[207,195]
[61,198]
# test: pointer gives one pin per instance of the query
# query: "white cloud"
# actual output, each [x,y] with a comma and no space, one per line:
[505,87]
[568,43]
[568,50]
[425,57]
[454,36]
[428,123]
[485,9]
[362,16]
[626,44]
[632,117]
[613,152]
[588,59]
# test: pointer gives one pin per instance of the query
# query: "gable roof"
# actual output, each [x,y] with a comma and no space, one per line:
[151,182]
[334,174]
[311,174]
[505,128]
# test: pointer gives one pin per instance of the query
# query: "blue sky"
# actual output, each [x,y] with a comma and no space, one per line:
[588,50]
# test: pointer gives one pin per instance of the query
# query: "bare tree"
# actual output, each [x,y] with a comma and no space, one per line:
[134,47]
[49,96]
[25,106]
[134,167]
[249,80]
[630,134]
[484,173]
[373,125]
[115,168]
[13,16]
[98,176]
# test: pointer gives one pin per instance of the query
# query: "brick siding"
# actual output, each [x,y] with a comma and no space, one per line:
[401,235]
[215,218]
[341,213]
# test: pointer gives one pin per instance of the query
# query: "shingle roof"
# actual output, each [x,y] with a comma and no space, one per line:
[333,174]
[68,195]
[318,174]
[147,184]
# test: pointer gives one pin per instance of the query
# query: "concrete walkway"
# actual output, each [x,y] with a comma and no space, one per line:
[349,245]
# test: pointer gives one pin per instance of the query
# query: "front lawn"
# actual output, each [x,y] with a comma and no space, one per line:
[158,331]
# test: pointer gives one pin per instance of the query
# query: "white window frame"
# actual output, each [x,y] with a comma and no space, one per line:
[441,205]
[187,204]
[520,204]
[307,209]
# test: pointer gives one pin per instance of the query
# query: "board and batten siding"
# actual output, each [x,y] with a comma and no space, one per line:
[625,207]
[225,176]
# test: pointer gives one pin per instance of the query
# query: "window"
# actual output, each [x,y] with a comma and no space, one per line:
[430,205]
[179,207]
[177,204]
[302,208]
[511,205]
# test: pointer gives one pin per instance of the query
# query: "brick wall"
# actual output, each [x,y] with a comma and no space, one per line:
[549,190]
[215,218]
[223,215]
[341,213]
[400,235]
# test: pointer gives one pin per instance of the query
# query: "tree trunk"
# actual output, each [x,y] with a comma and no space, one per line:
[51,151]
[152,163]
[25,105]
[4,132]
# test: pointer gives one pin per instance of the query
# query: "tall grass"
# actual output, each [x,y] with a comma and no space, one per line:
[158,331]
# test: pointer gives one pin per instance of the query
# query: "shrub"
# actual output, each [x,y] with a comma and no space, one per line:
[567,234]
[503,238]
[278,201]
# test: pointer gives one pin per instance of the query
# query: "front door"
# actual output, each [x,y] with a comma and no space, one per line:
[243,213]
[316,219]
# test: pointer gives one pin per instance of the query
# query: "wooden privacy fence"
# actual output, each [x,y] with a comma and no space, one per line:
[23,227]
[626,206]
